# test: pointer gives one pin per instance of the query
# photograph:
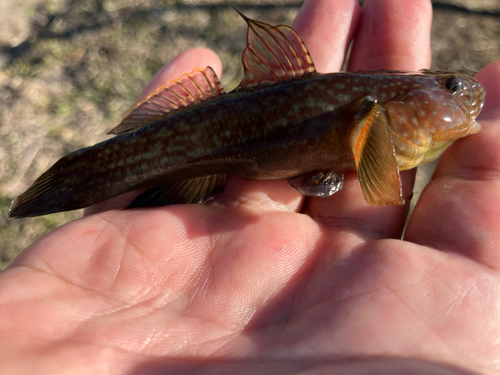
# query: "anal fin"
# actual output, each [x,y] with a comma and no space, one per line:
[197,190]
[374,155]
[321,183]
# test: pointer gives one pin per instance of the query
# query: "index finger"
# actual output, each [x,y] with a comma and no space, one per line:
[327,27]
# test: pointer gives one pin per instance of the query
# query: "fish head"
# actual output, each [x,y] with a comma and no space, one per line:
[440,108]
[459,100]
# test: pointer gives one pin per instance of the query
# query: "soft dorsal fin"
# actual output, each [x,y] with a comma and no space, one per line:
[189,88]
[273,54]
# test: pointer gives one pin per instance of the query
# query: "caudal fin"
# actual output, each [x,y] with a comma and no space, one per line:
[46,195]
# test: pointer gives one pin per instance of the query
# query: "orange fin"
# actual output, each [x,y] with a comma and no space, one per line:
[373,151]
[197,190]
[189,88]
[273,54]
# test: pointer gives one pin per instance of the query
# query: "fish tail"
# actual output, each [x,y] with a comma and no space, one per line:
[45,196]
[67,185]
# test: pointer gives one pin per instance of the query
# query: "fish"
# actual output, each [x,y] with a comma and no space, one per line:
[283,121]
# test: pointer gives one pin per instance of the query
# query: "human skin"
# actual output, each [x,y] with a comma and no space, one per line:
[266,281]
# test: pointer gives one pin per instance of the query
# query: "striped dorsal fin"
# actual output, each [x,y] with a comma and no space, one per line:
[189,88]
[273,54]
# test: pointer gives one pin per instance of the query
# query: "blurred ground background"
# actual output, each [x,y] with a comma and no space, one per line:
[70,69]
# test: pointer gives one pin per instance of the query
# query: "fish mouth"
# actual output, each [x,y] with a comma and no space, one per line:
[474,128]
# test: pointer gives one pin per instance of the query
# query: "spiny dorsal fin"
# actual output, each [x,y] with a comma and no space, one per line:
[189,88]
[273,54]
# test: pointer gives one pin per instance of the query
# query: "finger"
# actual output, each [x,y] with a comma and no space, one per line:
[393,34]
[491,110]
[386,28]
[459,211]
[264,195]
[119,202]
[183,63]
[327,27]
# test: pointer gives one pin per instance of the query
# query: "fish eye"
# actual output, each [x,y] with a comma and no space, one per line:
[454,84]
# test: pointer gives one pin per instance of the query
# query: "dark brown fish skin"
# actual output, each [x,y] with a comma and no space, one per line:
[265,132]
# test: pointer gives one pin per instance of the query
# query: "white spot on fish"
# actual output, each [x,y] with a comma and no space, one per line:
[343,98]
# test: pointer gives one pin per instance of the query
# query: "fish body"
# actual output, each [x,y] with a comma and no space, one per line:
[284,121]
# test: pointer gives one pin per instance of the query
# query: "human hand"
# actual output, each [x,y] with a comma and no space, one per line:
[265,281]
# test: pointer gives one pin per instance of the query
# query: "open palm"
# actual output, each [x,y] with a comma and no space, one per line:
[266,281]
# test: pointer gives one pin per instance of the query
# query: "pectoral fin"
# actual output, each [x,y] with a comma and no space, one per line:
[373,151]
[322,183]
[197,190]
